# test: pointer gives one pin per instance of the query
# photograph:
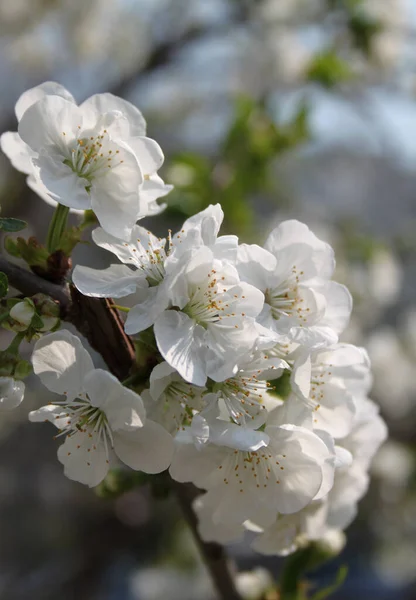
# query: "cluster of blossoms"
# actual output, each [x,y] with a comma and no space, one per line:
[254,399]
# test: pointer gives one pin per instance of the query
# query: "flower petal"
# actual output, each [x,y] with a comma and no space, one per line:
[17,151]
[48,88]
[179,340]
[116,281]
[84,459]
[153,301]
[148,153]
[44,122]
[61,362]
[101,103]
[149,449]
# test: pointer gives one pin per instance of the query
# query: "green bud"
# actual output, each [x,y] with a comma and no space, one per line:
[12,247]
[47,313]
[21,315]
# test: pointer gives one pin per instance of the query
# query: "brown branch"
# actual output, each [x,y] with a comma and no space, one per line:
[214,555]
[101,324]
[94,318]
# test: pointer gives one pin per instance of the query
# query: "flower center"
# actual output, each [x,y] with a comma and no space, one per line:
[247,469]
[284,299]
[82,417]
[243,396]
[204,306]
[92,156]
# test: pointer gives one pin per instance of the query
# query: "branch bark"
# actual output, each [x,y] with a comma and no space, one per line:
[101,324]
[214,555]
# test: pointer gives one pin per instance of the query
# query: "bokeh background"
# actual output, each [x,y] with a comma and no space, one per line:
[277,109]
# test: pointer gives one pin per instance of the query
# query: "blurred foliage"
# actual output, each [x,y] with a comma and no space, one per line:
[242,168]
[329,70]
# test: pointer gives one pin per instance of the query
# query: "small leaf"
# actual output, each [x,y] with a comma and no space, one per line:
[330,589]
[12,225]
[4,284]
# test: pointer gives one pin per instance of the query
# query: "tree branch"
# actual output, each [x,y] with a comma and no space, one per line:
[214,555]
[94,318]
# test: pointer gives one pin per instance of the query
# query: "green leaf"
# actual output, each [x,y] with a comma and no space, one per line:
[4,284]
[12,225]
[330,589]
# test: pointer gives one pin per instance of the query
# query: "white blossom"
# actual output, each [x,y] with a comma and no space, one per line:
[293,271]
[99,418]
[328,381]
[252,474]
[170,400]
[94,155]
[211,322]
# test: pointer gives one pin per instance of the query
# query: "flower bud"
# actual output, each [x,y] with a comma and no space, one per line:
[48,310]
[11,393]
[252,585]
[332,543]
[22,313]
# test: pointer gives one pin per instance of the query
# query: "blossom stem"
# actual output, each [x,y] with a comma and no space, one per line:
[56,228]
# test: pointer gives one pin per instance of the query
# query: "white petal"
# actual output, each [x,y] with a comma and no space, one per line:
[102,103]
[61,362]
[234,436]
[60,181]
[206,223]
[84,459]
[148,153]
[339,306]
[11,393]
[52,413]
[179,340]
[116,281]
[151,189]
[48,88]
[152,302]
[148,449]
[294,241]
[115,197]
[160,378]
[17,151]
[123,407]
[300,378]
[190,465]
[133,251]
[301,454]
[255,265]
[44,122]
